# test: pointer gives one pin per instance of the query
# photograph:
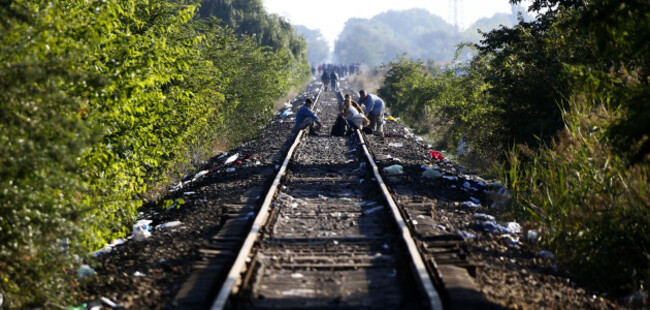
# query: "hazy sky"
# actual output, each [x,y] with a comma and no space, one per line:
[330,15]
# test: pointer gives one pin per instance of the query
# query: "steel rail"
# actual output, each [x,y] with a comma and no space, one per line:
[425,283]
[234,275]
[417,264]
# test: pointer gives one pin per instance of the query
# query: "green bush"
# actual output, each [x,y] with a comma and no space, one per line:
[568,92]
[44,86]
[593,208]
[588,189]
[101,101]
[450,104]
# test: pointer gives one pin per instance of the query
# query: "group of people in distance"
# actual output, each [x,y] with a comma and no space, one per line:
[370,119]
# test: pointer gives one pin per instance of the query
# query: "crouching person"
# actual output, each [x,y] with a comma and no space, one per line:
[306,118]
[374,111]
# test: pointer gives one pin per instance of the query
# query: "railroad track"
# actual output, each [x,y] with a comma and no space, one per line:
[325,233]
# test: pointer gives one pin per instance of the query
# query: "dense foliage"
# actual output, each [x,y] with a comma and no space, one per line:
[248,17]
[568,93]
[589,189]
[417,32]
[451,105]
[101,101]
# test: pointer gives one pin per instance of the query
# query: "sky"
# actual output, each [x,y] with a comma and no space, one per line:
[329,16]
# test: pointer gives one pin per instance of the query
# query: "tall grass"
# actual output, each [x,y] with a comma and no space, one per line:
[592,205]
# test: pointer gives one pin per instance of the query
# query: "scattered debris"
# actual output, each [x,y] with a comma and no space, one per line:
[361,170]
[110,303]
[286,113]
[431,174]
[200,175]
[84,271]
[83,306]
[512,241]
[470,204]
[546,254]
[141,230]
[139,274]
[466,234]
[231,159]
[108,247]
[366,203]
[394,170]
[284,196]
[492,226]
[373,210]
[469,186]
[513,227]
[169,224]
[436,155]
[483,216]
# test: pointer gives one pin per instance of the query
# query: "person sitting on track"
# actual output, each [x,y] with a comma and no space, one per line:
[352,103]
[306,118]
[353,114]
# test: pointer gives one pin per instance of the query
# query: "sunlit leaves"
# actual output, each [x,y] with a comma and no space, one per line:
[100,100]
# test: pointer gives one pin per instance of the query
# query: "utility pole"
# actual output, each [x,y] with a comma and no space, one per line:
[456,13]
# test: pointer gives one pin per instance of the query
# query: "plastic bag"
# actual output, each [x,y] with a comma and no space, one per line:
[431,174]
[394,170]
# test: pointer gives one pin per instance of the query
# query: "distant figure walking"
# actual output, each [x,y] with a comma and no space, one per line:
[306,118]
[374,111]
[326,79]
[334,79]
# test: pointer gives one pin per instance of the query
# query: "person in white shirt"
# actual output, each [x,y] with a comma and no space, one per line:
[351,112]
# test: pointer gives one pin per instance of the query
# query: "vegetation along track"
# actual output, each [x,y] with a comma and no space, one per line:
[328,234]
